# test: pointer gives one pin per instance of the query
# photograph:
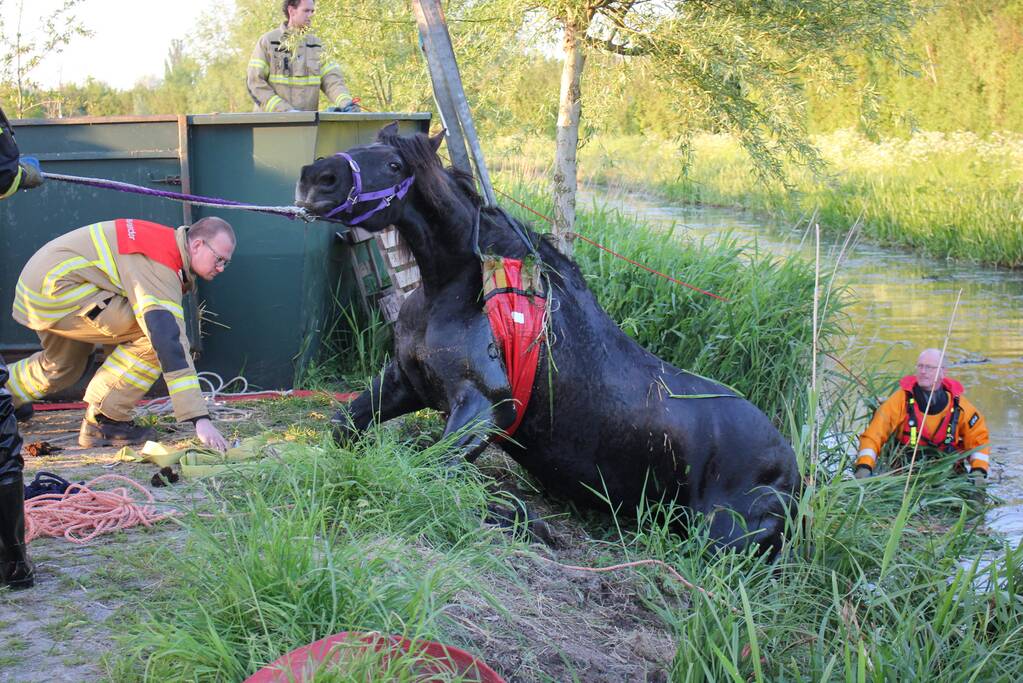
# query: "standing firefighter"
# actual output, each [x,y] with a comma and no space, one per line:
[16,570]
[118,283]
[928,410]
[288,77]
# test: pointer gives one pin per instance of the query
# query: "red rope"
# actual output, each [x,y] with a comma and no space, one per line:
[614,253]
[647,268]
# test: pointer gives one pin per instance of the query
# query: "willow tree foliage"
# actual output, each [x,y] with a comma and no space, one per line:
[737,66]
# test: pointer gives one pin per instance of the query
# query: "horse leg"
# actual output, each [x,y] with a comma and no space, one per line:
[473,418]
[389,396]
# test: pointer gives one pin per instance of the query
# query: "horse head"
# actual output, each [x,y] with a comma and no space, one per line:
[369,185]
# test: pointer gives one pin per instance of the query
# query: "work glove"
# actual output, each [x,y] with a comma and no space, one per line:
[31,174]
[978,477]
[352,106]
[862,472]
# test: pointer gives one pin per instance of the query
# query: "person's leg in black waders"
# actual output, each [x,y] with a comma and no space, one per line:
[16,570]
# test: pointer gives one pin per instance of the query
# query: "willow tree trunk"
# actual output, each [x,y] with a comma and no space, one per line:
[565,181]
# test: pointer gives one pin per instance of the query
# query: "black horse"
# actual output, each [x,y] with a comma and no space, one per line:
[607,418]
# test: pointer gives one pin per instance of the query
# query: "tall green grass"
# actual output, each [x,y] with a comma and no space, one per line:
[878,580]
[950,195]
[321,541]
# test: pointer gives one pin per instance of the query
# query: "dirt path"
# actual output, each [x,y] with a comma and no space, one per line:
[60,630]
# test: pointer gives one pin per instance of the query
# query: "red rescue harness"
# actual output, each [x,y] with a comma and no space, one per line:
[152,240]
[913,427]
[517,315]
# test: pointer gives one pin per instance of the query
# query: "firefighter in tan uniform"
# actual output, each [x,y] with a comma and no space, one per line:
[16,570]
[950,423]
[119,283]
[284,77]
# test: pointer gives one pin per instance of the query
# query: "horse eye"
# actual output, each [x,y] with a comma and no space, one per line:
[395,166]
[328,179]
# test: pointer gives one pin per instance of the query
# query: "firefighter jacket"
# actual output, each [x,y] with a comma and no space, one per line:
[10,169]
[146,263]
[945,430]
[280,79]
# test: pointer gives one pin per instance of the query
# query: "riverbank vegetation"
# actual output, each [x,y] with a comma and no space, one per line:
[878,581]
[876,584]
[949,195]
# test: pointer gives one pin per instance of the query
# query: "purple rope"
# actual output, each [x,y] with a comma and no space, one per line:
[291,212]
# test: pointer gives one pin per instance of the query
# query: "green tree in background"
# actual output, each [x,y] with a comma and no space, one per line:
[23,53]
[739,66]
[970,56]
[658,70]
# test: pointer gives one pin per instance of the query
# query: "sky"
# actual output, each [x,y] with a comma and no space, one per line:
[130,42]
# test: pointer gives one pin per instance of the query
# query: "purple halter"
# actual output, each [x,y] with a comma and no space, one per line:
[355,196]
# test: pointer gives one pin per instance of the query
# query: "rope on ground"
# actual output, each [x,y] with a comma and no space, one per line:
[214,387]
[82,513]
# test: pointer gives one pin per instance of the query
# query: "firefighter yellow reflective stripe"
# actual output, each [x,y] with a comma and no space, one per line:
[106,260]
[60,270]
[295,80]
[259,64]
[120,369]
[133,362]
[37,300]
[14,186]
[147,301]
[341,98]
[333,66]
[272,103]
[36,316]
[176,386]
[21,385]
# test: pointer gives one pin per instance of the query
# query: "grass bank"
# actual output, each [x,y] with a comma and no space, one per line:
[949,195]
[873,585]
[879,581]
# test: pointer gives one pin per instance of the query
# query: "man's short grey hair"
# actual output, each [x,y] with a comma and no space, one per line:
[209,227]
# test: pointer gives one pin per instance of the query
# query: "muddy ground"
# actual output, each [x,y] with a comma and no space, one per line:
[553,624]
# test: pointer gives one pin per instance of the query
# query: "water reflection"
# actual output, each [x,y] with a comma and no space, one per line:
[903,303]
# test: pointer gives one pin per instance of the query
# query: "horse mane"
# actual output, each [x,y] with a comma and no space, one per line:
[444,187]
[440,187]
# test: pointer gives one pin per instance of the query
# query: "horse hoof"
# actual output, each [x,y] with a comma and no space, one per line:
[507,517]
[341,430]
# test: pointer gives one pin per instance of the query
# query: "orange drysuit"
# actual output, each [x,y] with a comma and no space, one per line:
[944,430]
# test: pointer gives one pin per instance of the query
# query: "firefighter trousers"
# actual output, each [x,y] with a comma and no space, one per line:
[128,372]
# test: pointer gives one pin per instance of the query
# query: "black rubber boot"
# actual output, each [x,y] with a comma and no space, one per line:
[107,432]
[24,412]
[16,570]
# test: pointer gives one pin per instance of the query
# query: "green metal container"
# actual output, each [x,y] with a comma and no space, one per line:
[270,308]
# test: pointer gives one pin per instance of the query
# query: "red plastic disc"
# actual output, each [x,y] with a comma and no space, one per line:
[431,658]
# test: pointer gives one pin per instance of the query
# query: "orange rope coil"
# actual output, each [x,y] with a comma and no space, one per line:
[82,513]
